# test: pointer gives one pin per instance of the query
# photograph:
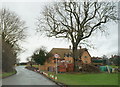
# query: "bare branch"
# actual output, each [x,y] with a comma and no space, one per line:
[76,21]
[12,27]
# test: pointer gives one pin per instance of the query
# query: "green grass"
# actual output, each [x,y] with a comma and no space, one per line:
[88,79]
[113,66]
[36,66]
[0,75]
[5,74]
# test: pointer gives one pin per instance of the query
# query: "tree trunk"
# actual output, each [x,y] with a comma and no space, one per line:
[75,57]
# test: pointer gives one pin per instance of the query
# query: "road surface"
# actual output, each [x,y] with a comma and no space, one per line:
[26,77]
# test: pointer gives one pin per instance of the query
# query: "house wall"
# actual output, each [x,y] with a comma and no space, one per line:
[86,58]
[45,67]
[69,59]
[52,64]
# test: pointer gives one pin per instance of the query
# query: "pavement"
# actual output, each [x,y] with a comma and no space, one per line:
[27,77]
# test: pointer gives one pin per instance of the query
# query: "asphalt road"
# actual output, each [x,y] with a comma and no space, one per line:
[26,77]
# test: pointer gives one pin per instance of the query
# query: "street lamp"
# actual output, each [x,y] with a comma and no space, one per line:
[56,57]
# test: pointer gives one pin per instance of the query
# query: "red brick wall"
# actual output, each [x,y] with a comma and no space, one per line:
[86,58]
[45,67]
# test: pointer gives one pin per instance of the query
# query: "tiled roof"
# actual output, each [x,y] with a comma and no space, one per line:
[62,51]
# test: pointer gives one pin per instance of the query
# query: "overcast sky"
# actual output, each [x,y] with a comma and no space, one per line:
[29,12]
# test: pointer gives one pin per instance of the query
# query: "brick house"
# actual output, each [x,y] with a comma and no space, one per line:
[65,57]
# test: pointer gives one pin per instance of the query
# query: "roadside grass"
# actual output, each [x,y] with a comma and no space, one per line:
[88,79]
[36,66]
[51,73]
[6,74]
[113,66]
[0,75]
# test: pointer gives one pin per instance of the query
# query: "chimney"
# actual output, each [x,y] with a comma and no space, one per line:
[70,47]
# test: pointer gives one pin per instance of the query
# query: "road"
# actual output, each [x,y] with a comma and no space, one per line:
[26,77]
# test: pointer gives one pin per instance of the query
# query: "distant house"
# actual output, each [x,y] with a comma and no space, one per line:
[97,61]
[65,56]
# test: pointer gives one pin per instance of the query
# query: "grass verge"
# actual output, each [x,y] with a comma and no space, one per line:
[89,79]
[86,78]
[113,66]
[36,66]
[7,74]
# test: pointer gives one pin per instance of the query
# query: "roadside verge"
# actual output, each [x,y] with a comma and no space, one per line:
[8,74]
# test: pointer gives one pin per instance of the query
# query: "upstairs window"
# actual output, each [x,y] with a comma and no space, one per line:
[85,56]
[70,55]
[67,55]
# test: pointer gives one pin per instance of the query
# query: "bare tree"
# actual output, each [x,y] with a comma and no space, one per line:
[13,28]
[76,21]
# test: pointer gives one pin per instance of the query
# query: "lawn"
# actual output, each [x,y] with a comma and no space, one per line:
[88,79]
[5,74]
[36,66]
[113,66]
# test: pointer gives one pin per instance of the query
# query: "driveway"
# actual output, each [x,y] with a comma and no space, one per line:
[26,77]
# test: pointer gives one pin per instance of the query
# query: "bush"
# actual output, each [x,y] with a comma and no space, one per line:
[8,57]
[89,68]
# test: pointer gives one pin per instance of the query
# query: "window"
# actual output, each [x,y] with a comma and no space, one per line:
[70,55]
[85,61]
[65,55]
[85,56]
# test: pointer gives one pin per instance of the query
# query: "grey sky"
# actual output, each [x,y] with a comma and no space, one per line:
[29,11]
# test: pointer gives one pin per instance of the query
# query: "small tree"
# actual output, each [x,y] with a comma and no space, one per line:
[117,61]
[105,60]
[76,21]
[40,56]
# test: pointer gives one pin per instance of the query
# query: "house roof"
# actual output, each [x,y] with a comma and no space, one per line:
[96,58]
[62,51]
